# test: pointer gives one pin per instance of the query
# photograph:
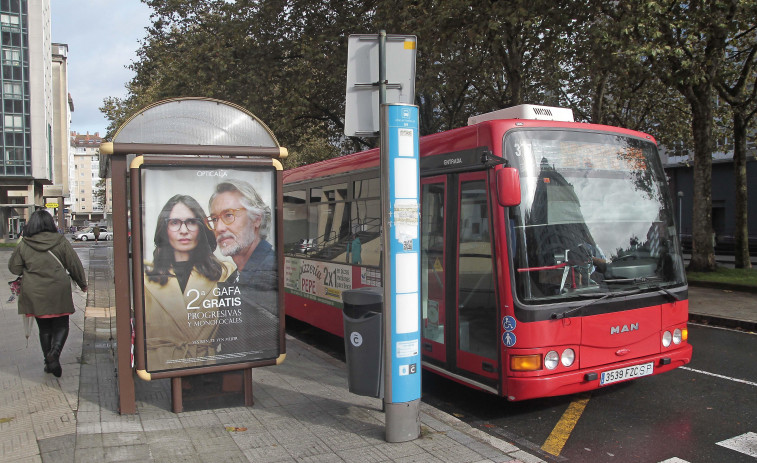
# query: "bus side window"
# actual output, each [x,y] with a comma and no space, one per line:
[366,223]
[295,220]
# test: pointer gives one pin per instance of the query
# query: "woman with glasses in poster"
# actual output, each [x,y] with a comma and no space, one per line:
[181,286]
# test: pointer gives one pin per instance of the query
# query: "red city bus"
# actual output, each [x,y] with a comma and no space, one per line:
[550,262]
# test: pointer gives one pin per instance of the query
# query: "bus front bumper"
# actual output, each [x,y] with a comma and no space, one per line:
[587,379]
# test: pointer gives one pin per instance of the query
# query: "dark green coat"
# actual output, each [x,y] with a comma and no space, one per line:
[46,288]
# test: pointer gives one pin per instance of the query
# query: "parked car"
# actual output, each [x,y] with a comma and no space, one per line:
[88,235]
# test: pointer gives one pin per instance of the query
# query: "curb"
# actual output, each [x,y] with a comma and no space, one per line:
[744,325]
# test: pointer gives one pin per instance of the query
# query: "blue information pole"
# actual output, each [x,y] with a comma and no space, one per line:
[400,194]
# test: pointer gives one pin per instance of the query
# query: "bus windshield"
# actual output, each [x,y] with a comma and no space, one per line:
[595,217]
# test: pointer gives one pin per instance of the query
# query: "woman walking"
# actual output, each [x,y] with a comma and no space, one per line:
[45,258]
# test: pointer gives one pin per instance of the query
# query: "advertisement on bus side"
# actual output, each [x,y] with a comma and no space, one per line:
[319,281]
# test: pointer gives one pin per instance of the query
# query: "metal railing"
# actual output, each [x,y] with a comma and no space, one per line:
[330,244]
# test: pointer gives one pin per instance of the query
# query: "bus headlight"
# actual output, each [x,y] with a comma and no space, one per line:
[667,338]
[551,359]
[677,336]
[568,357]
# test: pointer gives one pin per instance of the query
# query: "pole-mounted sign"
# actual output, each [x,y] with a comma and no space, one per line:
[364,79]
[381,80]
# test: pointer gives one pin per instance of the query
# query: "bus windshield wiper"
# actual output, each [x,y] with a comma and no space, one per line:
[650,282]
[665,290]
[568,313]
[633,280]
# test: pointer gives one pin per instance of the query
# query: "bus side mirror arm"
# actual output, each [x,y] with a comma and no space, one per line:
[508,187]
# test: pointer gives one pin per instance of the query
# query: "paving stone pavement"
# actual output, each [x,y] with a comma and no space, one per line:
[302,413]
[37,410]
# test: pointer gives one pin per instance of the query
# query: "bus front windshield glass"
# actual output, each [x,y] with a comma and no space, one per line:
[595,216]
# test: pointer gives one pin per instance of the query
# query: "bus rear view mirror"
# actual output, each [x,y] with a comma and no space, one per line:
[508,187]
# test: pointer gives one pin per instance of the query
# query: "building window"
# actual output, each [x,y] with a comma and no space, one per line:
[12,90]
[12,56]
[10,22]
[14,123]
[13,106]
[12,73]
[14,155]
[12,39]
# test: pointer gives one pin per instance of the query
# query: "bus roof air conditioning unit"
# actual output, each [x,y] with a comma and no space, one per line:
[526,111]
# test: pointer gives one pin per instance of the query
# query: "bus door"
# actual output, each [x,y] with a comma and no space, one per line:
[476,298]
[458,300]
[433,264]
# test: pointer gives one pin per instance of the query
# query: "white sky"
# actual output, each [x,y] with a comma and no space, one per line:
[102,38]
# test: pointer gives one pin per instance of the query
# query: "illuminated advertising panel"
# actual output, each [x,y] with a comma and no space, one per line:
[210,266]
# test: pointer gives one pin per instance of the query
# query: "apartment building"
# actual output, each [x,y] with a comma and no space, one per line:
[91,196]
[28,119]
[63,105]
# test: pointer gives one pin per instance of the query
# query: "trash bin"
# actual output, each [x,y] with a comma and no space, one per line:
[363,340]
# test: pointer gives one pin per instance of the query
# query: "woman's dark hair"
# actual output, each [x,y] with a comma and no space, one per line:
[201,256]
[40,221]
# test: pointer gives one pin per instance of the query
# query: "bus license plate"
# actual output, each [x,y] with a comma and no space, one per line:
[622,374]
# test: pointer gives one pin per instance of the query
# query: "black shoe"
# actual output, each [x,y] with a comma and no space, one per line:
[53,361]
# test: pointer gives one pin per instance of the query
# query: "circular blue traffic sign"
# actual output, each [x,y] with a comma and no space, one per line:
[509,339]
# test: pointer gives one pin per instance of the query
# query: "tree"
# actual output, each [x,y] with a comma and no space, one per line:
[485,55]
[260,55]
[684,43]
[99,194]
[605,84]
[737,86]
[647,65]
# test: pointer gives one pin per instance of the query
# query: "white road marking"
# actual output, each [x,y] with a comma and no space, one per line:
[749,383]
[745,443]
[674,460]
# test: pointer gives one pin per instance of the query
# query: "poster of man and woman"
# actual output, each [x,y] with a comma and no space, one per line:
[210,272]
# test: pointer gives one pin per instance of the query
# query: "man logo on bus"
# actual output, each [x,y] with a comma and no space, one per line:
[624,328]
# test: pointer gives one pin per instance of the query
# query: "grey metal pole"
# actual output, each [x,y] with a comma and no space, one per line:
[382,68]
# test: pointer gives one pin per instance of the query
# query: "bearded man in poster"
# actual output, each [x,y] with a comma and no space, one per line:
[241,221]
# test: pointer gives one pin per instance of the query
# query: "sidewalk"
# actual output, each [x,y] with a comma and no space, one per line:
[302,413]
[723,307]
